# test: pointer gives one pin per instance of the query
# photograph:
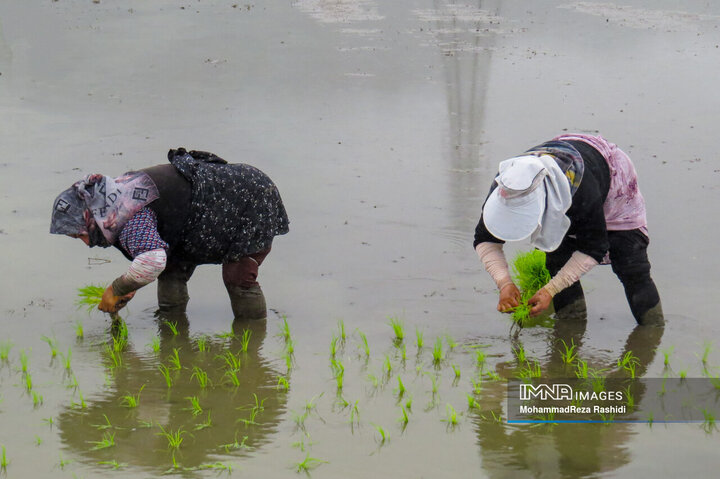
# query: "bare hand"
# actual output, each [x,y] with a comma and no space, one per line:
[111,303]
[509,298]
[539,302]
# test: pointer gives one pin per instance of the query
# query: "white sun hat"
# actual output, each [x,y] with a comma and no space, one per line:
[531,199]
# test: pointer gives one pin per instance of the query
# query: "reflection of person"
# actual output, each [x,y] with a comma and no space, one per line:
[577,198]
[224,406]
[561,450]
[170,218]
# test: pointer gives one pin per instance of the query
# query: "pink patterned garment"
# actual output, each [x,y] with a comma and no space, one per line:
[624,206]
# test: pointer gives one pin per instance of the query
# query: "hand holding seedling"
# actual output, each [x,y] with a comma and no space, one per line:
[539,302]
[111,303]
[509,298]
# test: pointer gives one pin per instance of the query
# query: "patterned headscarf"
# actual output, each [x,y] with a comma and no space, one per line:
[100,206]
[567,158]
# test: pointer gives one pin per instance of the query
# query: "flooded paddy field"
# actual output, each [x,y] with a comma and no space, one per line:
[382,123]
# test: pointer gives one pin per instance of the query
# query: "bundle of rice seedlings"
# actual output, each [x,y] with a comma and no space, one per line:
[530,274]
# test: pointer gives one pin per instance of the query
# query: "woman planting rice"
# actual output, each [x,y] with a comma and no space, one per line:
[167,219]
[577,198]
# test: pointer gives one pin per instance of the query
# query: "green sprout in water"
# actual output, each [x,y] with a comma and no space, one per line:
[172,326]
[437,353]
[569,354]
[52,343]
[131,400]
[308,464]
[79,332]
[174,359]
[201,377]
[23,361]
[365,345]
[3,459]
[165,371]
[285,330]
[341,330]
[202,343]
[419,339]
[67,358]
[398,329]
[530,274]
[334,346]
[245,340]
[174,438]
[383,436]
[108,440]
[283,384]
[195,407]
[232,361]
[666,354]
[5,347]
[629,362]
[452,416]
[155,344]
[203,425]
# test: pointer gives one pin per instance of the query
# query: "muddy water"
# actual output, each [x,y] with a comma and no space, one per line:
[382,124]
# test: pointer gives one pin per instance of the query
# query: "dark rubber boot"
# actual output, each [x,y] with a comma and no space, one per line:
[172,296]
[247,303]
[653,316]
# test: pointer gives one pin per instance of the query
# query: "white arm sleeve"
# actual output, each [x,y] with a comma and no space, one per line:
[492,257]
[578,264]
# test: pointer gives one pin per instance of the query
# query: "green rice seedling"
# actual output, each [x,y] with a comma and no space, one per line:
[102,427]
[228,335]
[172,326]
[28,382]
[452,416]
[232,362]
[384,437]
[569,353]
[114,356]
[131,401]
[245,340]
[23,361]
[437,353]
[629,362]
[235,444]
[365,345]
[419,339]
[201,377]
[89,297]
[49,421]
[480,359]
[339,372]
[5,347]
[452,344]
[120,336]
[581,369]
[195,407]
[63,462]
[409,403]
[37,399]
[707,348]
[398,329]
[492,376]
[341,331]
[308,464]
[107,441]
[155,344]
[4,460]
[373,380]
[79,331]
[285,329]
[400,388]
[629,398]
[403,353]
[404,417]
[529,370]
[289,360]
[283,384]
[165,371]
[52,343]
[174,359]
[113,464]
[597,381]
[174,438]
[682,374]
[219,467]
[456,370]
[666,355]
[496,417]
[355,414]
[203,425]
[519,353]
[472,402]
[67,360]
[232,376]
[434,381]
[387,366]
[81,404]
[477,385]
[38,440]
[333,346]
[146,424]
[202,343]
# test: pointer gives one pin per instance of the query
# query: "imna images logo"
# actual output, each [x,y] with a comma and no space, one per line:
[554,392]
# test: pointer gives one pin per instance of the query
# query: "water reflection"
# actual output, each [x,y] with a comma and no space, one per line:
[561,450]
[235,420]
